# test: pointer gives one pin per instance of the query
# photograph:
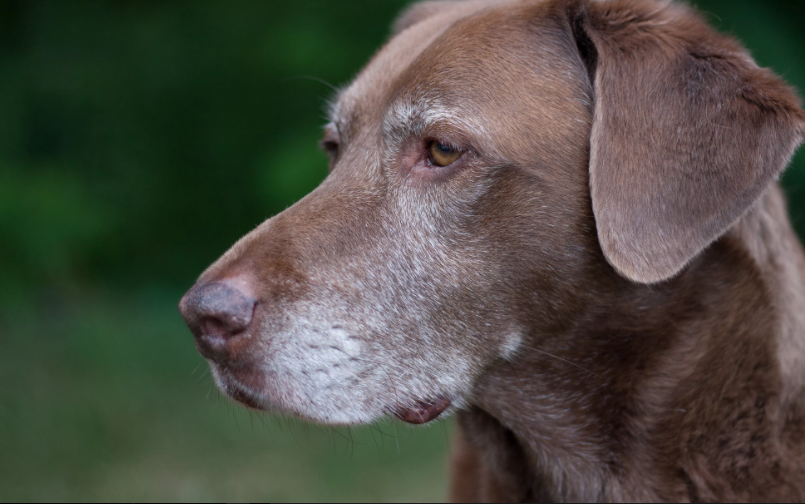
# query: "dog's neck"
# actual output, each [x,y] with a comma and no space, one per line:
[651,403]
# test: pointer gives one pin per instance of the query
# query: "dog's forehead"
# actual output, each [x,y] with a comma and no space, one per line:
[370,90]
[476,65]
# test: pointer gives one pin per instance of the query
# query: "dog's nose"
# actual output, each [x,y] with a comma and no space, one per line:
[216,313]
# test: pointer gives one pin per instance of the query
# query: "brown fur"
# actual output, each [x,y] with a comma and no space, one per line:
[605,285]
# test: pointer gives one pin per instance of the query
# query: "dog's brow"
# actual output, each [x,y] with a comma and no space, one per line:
[406,118]
[334,117]
[341,114]
[330,132]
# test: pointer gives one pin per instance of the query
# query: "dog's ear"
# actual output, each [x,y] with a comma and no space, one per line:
[419,12]
[687,134]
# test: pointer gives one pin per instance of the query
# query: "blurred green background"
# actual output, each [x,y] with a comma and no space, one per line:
[138,141]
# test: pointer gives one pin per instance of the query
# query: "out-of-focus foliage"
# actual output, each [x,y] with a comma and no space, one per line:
[150,135]
[138,141]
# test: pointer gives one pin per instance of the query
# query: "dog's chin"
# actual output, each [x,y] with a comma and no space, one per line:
[247,387]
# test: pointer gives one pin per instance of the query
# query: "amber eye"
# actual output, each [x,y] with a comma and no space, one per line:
[440,154]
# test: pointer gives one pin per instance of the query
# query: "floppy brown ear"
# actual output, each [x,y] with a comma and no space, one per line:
[421,11]
[688,132]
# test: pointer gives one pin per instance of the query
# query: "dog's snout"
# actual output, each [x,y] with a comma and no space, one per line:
[216,313]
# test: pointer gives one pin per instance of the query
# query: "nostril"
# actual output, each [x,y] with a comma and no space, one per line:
[217,310]
[215,328]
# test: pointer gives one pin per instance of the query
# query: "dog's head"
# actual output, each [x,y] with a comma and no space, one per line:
[492,162]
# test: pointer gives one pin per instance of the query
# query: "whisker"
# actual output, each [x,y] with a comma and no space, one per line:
[196,368]
[203,375]
[351,443]
[563,360]
[372,432]
[520,388]
[396,437]
[310,77]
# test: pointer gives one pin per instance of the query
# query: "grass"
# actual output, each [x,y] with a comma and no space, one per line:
[100,402]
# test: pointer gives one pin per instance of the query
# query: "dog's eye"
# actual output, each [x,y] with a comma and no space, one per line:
[441,155]
[331,148]
[331,143]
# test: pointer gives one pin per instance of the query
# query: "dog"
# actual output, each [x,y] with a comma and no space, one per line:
[558,220]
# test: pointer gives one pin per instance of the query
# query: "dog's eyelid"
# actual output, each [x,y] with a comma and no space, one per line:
[331,133]
[331,130]
[449,133]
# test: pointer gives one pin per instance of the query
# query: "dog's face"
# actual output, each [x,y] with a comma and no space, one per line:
[456,225]
[396,282]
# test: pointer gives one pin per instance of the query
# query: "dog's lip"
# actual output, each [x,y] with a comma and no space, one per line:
[423,411]
[235,381]
[245,398]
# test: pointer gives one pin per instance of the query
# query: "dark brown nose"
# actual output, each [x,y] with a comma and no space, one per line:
[217,313]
